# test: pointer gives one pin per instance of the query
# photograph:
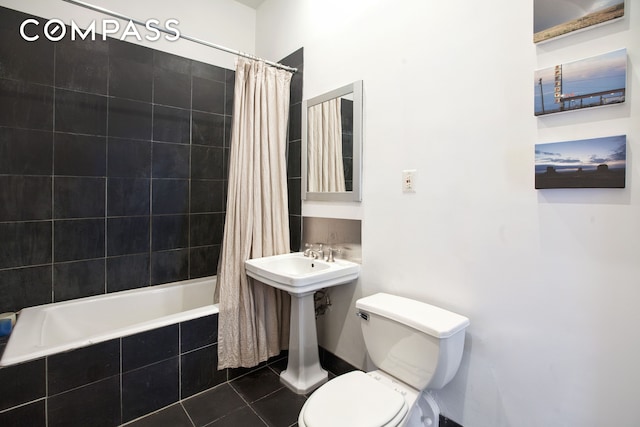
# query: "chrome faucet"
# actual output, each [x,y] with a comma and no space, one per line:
[332,251]
[311,252]
[317,251]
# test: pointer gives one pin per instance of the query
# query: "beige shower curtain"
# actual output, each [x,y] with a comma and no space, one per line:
[253,323]
[324,147]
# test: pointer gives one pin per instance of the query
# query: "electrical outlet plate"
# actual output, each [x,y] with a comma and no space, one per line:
[409,181]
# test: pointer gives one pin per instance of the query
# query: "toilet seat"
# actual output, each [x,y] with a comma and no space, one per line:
[354,399]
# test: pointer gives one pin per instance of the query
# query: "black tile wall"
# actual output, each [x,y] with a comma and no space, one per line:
[204,102]
[113,382]
[68,148]
[169,266]
[113,166]
[127,235]
[172,88]
[25,105]
[78,279]
[95,404]
[130,71]
[197,367]
[82,65]
[66,371]
[25,244]
[32,415]
[127,272]
[198,333]
[150,388]
[171,124]
[25,198]
[171,161]
[25,152]
[26,286]
[296,59]
[22,383]
[135,348]
[78,112]
[128,158]
[203,260]
[112,174]
[170,232]
[130,119]
[78,239]
[78,197]
[23,60]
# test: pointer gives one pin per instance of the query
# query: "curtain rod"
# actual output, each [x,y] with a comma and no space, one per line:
[182,36]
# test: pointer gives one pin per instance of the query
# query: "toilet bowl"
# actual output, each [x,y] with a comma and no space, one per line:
[416,347]
[374,399]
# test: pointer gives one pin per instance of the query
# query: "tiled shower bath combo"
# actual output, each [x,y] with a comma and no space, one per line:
[113,175]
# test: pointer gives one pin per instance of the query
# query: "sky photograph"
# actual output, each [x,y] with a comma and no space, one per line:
[587,76]
[587,154]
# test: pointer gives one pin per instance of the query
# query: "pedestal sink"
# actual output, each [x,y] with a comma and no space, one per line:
[301,276]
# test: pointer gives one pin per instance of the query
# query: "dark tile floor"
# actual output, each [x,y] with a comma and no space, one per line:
[255,399]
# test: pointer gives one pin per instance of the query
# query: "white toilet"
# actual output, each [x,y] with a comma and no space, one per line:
[416,347]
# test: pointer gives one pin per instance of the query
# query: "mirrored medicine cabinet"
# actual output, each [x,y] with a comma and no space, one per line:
[332,145]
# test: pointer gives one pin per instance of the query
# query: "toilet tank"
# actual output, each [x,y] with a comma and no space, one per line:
[418,343]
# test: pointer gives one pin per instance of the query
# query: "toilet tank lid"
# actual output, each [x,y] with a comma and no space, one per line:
[424,317]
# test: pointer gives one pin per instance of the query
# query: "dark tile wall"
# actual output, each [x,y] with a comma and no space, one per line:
[113,382]
[296,59]
[346,118]
[112,166]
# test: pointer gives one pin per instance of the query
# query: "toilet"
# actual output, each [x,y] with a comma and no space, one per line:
[415,346]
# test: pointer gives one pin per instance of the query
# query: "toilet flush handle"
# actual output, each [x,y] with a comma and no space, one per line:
[362,315]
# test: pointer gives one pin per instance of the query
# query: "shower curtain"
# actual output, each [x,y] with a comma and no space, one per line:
[253,323]
[324,147]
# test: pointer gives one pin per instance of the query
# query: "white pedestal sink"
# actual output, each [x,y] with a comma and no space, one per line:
[301,276]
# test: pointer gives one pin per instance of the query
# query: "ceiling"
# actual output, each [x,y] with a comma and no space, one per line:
[251,3]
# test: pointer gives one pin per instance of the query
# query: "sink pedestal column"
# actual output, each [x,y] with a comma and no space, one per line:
[303,372]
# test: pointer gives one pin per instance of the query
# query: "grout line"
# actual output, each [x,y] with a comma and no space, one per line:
[46,393]
[187,412]
[106,198]
[249,405]
[121,382]
[53,177]
[258,415]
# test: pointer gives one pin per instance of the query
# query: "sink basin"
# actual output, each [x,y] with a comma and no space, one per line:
[301,276]
[296,273]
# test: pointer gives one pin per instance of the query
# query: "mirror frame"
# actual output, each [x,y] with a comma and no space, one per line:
[346,196]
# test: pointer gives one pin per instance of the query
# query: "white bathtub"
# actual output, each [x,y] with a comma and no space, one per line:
[53,328]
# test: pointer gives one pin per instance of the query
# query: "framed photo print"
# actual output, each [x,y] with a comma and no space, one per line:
[555,18]
[583,163]
[591,82]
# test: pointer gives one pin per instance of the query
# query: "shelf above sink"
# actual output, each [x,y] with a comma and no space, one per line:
[298,274]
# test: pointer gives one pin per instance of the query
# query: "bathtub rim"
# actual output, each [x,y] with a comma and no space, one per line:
[9,360]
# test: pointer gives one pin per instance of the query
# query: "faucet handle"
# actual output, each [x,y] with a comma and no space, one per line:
[331,250]
[307,248]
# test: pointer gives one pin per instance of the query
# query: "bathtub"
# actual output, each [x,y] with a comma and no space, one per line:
[53,328]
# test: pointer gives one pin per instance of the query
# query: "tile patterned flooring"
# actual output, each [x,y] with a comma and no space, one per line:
[255,399]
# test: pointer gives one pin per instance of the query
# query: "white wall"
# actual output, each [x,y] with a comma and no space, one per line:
[222,22]
[549,279]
